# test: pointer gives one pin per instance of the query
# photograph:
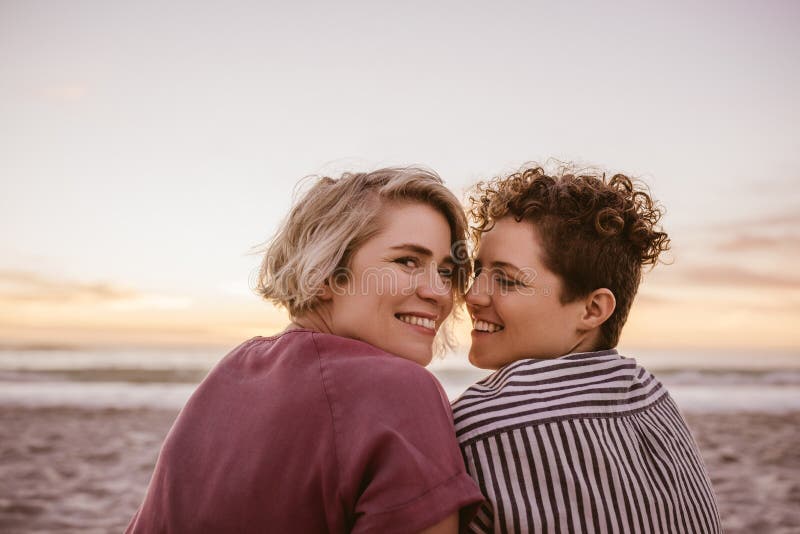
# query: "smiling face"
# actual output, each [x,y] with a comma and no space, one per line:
[398,291]
[514,300]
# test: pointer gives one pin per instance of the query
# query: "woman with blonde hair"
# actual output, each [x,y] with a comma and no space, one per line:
[333,425]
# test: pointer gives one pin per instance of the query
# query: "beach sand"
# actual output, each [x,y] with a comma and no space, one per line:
[75,470]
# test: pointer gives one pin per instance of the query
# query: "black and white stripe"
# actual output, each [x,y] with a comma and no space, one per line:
[584,443]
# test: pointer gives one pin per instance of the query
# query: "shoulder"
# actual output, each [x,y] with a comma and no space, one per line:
[357,359]
[527,392]
[260,355]
[289,341]
[568,372]
[357,373]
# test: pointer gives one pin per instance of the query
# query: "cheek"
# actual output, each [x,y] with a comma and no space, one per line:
[524,316]
[510,309]
[391,284]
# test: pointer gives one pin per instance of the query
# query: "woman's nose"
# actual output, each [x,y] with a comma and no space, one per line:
[432,286]
[478,292]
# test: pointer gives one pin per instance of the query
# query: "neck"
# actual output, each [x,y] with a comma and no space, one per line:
[586,343]
[317,319]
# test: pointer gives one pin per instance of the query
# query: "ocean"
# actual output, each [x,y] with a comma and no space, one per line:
[699,381]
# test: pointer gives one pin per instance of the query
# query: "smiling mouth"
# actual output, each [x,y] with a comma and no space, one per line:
[486,326]
[415,320]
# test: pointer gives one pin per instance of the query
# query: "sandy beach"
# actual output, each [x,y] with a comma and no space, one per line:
[81,470]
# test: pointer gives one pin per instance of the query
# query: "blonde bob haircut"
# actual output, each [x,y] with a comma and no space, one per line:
[335,217]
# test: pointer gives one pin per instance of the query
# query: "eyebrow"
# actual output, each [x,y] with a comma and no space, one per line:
[419,249]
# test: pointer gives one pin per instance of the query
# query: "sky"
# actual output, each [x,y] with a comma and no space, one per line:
[146,149]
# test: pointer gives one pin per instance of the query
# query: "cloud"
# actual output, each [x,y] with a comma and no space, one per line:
[730,276]
[64,93]
[773,236]
[780,187]
[152,302]
[750,242]
[788,218]
[791,218]
[26,286]
[47,311]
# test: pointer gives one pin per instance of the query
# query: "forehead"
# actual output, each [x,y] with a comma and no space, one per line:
[415,223]
[512,242]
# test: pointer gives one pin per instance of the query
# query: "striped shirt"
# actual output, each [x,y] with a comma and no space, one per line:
[588,442]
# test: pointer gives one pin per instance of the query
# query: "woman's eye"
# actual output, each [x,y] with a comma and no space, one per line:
[447,273]
[505,282]
[409,262]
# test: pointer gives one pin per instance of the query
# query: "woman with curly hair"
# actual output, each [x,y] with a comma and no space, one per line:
[568,435]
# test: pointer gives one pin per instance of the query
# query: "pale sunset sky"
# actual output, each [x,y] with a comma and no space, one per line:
[146,147]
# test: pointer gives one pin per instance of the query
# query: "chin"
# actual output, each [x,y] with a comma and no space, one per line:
[416,355]
[418,359]
[476,361]
[422,359]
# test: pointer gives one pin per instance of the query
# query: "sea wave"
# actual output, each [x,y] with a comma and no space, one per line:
[166,379]
[780,377]
[172,395]
[193,375]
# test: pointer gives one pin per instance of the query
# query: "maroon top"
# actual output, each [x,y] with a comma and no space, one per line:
[309,432]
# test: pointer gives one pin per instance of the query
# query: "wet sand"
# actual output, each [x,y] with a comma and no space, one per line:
[74,470]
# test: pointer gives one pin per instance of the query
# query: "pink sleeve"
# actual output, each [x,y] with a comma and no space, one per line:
[399,457]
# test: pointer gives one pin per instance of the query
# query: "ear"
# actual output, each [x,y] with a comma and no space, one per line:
[598,307]
[325,293]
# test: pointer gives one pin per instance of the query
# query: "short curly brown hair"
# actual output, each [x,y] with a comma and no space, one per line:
[596,232]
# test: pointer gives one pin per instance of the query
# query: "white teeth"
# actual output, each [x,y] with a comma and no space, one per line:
[484,326]
[419,321]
